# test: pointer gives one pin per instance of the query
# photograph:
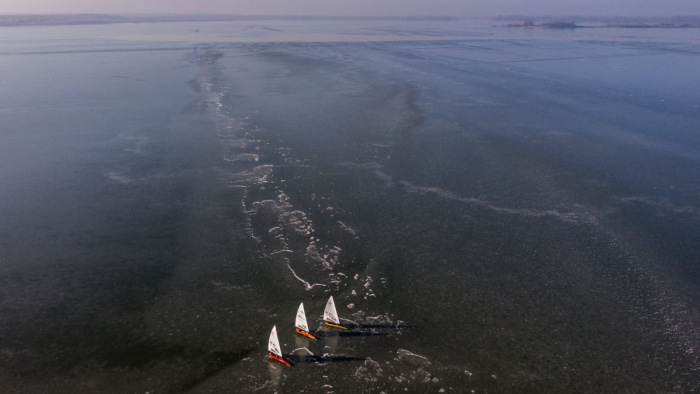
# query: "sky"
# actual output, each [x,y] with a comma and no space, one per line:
[462,8]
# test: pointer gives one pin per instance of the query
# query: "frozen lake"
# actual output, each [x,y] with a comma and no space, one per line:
[503,210]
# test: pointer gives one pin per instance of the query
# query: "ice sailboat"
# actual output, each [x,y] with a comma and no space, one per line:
[273,347]
[300,324]
[330,315]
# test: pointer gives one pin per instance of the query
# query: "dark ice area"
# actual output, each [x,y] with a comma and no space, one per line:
[492,210]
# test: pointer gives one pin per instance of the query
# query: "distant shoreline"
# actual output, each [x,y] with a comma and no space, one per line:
[600,22]
[545,22]
[101,19]
[573,25]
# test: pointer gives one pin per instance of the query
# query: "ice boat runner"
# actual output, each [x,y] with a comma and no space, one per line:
[330,315]
[300,324]
[273,346]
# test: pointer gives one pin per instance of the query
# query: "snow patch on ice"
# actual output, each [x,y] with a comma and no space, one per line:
[663,206]
[328,261]
[412,358]
[371,371]
[303,350]
[307,285]
[581,216]
[346,228]
[242,157]
[118,178]
[379,320]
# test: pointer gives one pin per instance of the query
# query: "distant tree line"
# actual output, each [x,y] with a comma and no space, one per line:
[664,21]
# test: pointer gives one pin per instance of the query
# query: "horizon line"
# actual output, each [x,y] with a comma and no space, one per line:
[20,20]
[392,16]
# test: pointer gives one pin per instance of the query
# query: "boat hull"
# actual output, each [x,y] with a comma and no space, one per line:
[283,361]
[306,334]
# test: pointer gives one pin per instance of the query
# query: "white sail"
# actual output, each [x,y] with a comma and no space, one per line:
[301,319]
[330,314]
[273,345]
